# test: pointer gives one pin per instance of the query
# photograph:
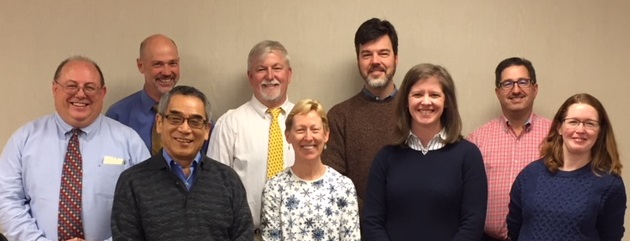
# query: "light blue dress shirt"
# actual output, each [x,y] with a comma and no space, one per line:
[179,171]
[30,175]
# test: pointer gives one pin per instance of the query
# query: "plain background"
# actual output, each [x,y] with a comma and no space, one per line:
[575,45]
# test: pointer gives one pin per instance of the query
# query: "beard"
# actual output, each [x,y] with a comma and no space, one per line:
[270,94]
[380,81]
[377,82]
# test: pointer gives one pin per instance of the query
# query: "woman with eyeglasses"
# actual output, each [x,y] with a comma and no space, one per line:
[575,192]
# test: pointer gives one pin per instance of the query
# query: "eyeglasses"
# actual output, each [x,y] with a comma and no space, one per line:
[72,88]
[588,124]
[194,122]
[509,84]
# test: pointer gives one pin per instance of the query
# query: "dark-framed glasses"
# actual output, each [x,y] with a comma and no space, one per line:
[588,124]
[72,88]
[509,84]
[194,121]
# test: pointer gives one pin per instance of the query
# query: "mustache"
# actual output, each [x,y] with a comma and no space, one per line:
[170,76]
[270,82]
[376,68]
[517,96]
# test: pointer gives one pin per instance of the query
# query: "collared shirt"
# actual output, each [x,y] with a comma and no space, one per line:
[136,111]
[369,94]
[505,154]
[240,140]
[435,143]
[30,175]
[177,169]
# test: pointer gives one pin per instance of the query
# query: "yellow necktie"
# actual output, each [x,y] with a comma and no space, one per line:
[275,158]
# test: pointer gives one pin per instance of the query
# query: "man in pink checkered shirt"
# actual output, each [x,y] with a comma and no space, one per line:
[510,142]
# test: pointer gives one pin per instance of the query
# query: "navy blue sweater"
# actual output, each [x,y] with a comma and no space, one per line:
[438,196]
[576,205]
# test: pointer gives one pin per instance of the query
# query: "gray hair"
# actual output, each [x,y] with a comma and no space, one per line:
[263,48]
[185,91]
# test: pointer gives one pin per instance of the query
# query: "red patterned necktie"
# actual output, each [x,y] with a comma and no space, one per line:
[69,220]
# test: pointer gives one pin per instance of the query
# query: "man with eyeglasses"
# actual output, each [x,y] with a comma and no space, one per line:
[58,173]
[510,142]
[180,194]
[159,63]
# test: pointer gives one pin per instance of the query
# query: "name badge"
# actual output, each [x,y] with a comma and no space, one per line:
[110,160]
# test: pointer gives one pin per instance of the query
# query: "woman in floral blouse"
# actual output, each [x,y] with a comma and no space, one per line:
[309,201]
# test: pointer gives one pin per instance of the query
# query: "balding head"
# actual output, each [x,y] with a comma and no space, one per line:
[159,63]
[158,39]
[78,91]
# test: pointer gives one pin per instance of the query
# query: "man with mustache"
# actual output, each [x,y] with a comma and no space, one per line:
[363,124]
[510,142]
[243,138]
[159,63]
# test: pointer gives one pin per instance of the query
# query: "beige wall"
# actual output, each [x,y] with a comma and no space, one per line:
[575,45]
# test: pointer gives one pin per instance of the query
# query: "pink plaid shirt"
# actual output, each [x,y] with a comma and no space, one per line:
[505,155]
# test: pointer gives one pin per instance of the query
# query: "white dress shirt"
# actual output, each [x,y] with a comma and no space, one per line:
[240,140]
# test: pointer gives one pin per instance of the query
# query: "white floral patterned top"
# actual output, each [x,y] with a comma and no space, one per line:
[322,210]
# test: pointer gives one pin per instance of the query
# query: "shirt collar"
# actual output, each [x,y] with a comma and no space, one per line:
[146,102]
[435,143]
[528,124]
[168,158]
[262,109]
[64,128]
[373,97]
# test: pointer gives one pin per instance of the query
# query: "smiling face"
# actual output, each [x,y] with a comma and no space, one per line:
[183,142]
[269,77]
[159,63]
[516,100]
[426,104]
[307,135]
[377,62]
[579,139]
[78,109]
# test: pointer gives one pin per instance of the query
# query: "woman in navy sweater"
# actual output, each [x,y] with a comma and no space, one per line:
[575,192]
[430,184]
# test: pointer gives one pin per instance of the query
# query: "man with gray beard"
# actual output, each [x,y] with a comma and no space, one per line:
[363,124]
[242,137]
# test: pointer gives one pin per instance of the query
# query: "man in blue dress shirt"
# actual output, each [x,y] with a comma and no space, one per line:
[32,161]
[159,63]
